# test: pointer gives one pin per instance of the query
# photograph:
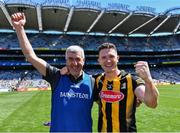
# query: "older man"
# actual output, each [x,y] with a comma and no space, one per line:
[71,94]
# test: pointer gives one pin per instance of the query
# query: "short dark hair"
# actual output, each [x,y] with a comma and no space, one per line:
[107,45]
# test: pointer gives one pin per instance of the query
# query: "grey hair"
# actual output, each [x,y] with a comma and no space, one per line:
[74,49]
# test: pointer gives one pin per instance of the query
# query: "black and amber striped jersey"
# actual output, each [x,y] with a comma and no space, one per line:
[117,102]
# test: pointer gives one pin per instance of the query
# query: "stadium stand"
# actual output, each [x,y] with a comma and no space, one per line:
[50,30]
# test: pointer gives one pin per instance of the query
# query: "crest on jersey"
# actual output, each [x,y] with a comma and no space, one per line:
[111,96]
[123,87]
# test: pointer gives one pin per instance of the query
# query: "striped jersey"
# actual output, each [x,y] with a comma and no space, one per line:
[117,102]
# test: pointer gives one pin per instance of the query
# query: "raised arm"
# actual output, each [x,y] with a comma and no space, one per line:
[147,93]
[18,21]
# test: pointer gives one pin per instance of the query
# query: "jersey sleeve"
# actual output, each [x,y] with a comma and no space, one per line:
[137,81]
[52,75]
[97,87]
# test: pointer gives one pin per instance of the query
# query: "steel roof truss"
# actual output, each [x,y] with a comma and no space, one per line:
[69,19]
[39,17]
[121,22]
[6,13]
[143,25]
[177,27]
[96,20]
[160,24]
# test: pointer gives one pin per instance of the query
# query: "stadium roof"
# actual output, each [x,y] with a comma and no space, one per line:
[66,18]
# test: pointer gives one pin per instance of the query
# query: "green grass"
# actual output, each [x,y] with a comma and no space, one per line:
[166,117]
[26,112]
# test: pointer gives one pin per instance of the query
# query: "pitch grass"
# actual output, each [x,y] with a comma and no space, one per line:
[27,111]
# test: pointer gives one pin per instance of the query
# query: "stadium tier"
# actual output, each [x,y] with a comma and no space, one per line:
[162,56]
[50,29]
[158,52]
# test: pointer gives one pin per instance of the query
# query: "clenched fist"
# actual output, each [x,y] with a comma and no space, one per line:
[18,20]
[142,69]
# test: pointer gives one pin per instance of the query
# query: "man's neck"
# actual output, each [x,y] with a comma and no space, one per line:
[113,74]
[77,76]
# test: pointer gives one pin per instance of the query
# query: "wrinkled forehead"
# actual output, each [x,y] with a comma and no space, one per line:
[74,54]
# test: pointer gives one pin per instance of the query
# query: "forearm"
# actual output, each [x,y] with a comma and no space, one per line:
[24,43]
[151,94]
[148,93]
[18,21]
[28,51]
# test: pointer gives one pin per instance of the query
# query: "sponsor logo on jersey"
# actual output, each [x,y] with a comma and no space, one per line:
[75,86]
[72,94]
[111,96]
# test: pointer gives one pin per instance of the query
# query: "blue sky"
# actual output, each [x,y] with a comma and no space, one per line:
[160,5]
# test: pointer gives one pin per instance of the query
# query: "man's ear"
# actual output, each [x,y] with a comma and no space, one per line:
[84,61]
[98,60]
[118,57]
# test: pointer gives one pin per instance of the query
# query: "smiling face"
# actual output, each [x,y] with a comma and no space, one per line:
[108,59]
[75,62]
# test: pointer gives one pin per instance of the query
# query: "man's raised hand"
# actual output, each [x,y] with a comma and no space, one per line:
[142,70]
[18,19]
